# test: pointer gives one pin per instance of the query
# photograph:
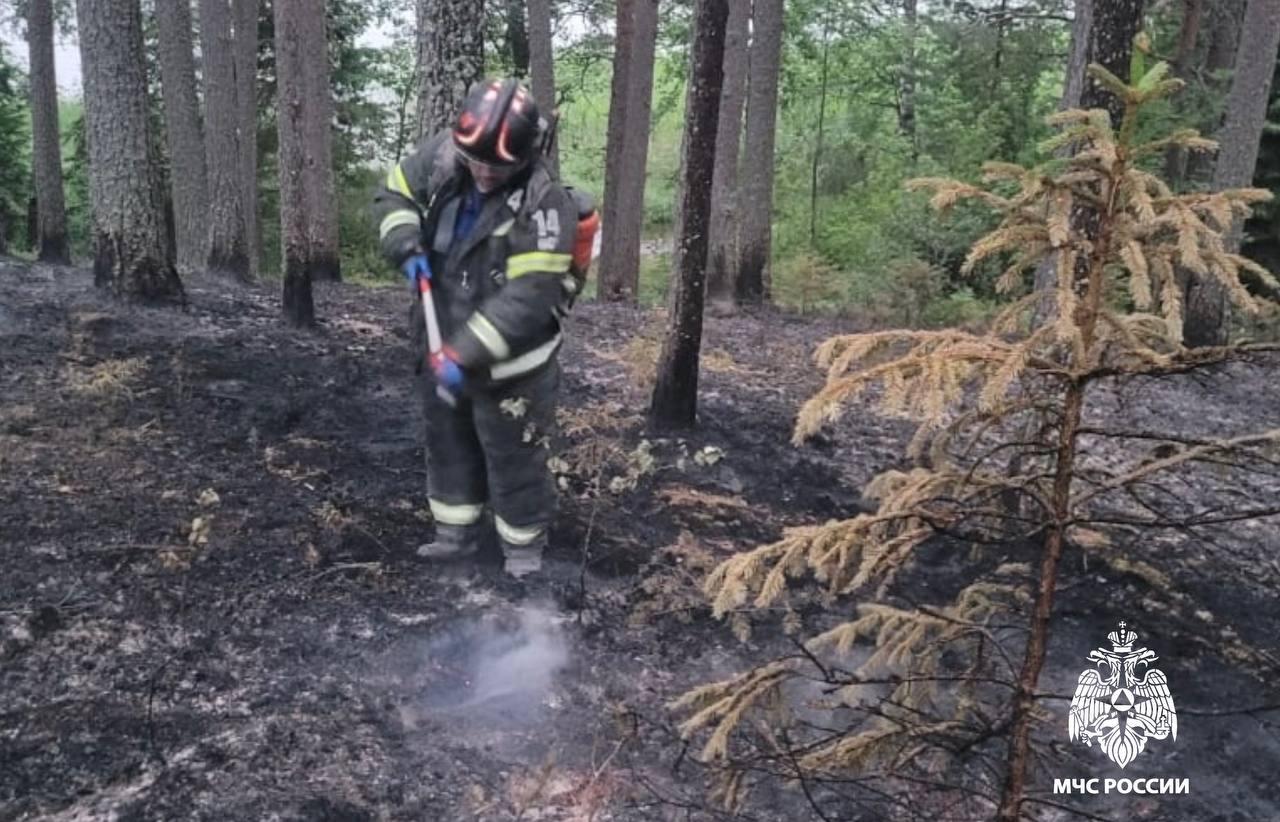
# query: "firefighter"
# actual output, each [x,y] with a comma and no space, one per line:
[475,209]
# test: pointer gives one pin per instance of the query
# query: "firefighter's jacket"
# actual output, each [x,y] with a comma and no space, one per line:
[500,291]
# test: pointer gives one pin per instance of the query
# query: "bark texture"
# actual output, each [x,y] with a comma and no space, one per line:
[1078,60]
[907,77]
[128,218]
[184,133]
[675,393]
[756,238]
[627,153]
[245,34]
[228,246]
[450,58]
[308,219]
[518,37]
[542,67]
[1208,311]
[722,259]
[46,156]
[1223,19]
[1175,158]
[1102,33]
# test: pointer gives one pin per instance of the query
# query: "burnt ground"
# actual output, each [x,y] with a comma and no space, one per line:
[210,607]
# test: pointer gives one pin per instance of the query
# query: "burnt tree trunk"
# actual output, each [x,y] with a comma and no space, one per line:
[627,152]
[46,154]
[542,67]
[228,243]
[1208,310]
[128,218]
[756,227]
[246,47]
[450,58]
[185,139]
[675,394]
[722,259]
[308,235]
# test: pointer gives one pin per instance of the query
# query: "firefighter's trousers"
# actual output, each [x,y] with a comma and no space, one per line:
[492,449]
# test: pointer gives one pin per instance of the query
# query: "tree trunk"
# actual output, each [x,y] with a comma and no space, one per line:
[907,78]
[542,65]
[46,154]
[450,58]
[1225,21]
[722,259]
[128,219]
[1078,61]
[189,179]
[518,38]
[1175,158]
[228,247]
[246,46]
[675,394]
[1101,34]
[308,236]
[1263,228]
[756,244]
[627,153]
[1208,311]
[820,135]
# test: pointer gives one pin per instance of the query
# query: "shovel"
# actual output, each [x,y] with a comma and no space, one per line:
[435,345]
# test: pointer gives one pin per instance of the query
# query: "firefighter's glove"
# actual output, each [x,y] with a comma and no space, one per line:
[445,367]
[416,268]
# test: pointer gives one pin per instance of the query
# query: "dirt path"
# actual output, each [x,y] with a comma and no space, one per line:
[210,608]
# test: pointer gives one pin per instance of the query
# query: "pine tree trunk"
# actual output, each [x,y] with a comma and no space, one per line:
[246,46]
[542,65]
[1208,311]
[722,259]
[756,227]
[228,247]
[675,394]
[518,38]
[907,79]
[128,219]
[308,237]
[190,182]
[1175,158]
[450,58]
[627,153]
[1102,33]
[1226,19]
[1263,228]
[46,155]
[1078,61]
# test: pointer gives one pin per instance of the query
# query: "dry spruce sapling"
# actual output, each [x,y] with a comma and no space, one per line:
[1001,416]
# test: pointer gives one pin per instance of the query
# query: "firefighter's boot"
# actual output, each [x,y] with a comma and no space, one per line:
[522,560]
[453,542]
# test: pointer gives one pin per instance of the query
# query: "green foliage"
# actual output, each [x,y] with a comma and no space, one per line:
[14,147]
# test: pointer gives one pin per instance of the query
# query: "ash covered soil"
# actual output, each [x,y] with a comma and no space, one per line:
[210,607]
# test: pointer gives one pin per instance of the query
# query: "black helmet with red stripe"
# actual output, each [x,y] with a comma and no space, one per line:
[498,124]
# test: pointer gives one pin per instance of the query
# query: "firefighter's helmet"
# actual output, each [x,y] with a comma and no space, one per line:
[498,125]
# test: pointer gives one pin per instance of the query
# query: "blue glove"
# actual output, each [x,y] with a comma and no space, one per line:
[445,367]
[416,267]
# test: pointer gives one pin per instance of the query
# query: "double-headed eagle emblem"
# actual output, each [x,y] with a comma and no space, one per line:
[1117,707]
